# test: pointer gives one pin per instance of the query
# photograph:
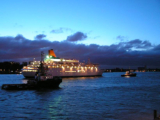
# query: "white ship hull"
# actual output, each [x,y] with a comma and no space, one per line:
[61,73]
[29,74]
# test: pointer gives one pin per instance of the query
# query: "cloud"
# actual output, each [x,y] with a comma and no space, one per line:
[40,37]
[60,30]
[78,36]
[96,37]
[19,37]
[121,38]
[131,53]
[137,44]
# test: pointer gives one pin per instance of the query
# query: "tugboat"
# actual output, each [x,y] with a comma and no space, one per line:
[129,74]
[42,80]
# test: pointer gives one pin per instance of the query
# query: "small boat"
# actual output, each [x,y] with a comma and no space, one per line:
[42,82]
[45,80]
[128,73]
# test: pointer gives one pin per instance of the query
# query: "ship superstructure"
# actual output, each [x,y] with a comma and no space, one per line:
[56,66]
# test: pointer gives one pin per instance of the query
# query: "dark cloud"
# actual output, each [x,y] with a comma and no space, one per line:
[40,37]
[157,48]
[78,36]
[140,44]
[19,37]
[61,30]
[131,53]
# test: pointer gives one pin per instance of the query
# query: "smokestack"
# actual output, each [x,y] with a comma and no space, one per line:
[51,53]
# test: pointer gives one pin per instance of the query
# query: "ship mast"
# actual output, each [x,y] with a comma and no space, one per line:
[42,56]
[42,61]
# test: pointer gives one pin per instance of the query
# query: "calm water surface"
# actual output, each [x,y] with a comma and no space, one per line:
[110,97]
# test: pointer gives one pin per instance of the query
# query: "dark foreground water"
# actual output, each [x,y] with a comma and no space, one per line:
[110,97]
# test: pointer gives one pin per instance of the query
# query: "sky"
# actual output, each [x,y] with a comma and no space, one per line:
[113,33]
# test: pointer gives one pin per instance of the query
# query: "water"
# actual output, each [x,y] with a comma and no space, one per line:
[110,97]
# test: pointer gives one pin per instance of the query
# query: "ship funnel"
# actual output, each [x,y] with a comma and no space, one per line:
[51,53]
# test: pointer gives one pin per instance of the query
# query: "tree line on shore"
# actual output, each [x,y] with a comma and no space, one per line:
[139,69]
[11,67]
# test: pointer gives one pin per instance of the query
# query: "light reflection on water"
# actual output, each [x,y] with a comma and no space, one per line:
[108,97]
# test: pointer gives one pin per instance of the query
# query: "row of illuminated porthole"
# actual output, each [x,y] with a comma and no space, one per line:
[72,67]
[29,70]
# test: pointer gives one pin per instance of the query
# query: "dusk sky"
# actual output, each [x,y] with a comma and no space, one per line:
[113,33]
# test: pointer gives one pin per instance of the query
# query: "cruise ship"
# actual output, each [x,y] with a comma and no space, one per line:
[56,66]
